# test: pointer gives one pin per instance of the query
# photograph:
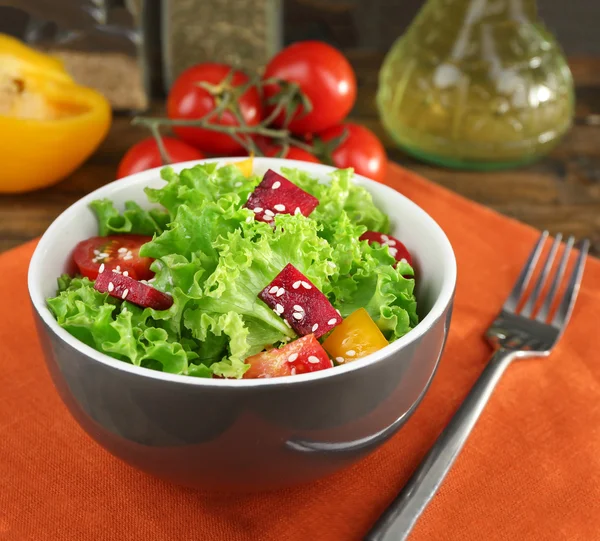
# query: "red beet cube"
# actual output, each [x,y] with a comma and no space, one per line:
[295,298]
[124,287]
[277,195]
[302,355]
[395,247]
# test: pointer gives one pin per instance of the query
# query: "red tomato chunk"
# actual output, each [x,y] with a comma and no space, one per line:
[298,357]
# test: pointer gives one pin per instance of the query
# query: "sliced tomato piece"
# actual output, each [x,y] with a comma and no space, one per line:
[129,289]
[120,252]
[357,336]
[302,355]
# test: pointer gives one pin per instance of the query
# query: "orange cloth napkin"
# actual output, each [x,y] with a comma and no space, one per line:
[531,469]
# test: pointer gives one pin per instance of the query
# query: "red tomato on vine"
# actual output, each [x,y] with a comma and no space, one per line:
[146,155]
[198,91]
[361,150]
[323,75]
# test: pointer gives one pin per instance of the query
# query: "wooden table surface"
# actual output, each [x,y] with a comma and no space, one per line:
[559,193]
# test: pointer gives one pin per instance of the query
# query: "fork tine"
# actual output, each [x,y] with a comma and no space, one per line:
[521,284]
[563,313]
[562,265]
[541,281]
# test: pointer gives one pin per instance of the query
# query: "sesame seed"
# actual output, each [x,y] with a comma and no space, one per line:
[279,308]
[280,292]
[297,315]
[297,211]
[296,285]
[122,250]
[292,357]
[403,260]
[391,242]
[332,365]
[340,359]
[128,256]
[276,185]
[249,219]
[118,267]
[332,321]
[293,371]
[249,195]
[96,252]
[111,287]
[306,285]
[124,309]
[257,210]
[269,213]
[125,293]
[101,269]
[393,251]
[279,207]
[274,289]
[339,313]
[125,273]
[313,360]
[315,327]
[351,353]
[287,323]
[298,308]
[331,264]
[385,238]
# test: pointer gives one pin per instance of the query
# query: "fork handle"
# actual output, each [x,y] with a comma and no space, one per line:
[398,520]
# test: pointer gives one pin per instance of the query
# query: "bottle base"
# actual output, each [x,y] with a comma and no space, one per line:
[466,164]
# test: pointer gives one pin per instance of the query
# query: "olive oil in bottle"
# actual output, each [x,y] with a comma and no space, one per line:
[477,84]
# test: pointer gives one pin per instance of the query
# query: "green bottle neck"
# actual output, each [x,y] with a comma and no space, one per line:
[473,12]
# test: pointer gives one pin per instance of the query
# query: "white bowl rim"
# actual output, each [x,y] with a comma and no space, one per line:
[435,313]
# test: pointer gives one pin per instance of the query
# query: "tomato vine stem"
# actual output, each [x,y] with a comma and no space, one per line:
[226,99]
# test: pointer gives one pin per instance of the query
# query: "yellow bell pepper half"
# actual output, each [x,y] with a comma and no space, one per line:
[49,125]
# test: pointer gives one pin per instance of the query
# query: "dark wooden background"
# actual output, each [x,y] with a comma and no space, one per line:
[559,193]
[373,25]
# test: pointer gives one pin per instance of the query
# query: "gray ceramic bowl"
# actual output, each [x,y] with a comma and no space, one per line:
[248,434]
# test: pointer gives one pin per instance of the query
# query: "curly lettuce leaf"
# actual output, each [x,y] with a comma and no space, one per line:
[117,328]
[340,195]
[384,291]
[134,219]
[200,184]
[225,330]
[83,311]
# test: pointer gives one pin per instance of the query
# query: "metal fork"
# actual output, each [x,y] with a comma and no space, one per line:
[519,332]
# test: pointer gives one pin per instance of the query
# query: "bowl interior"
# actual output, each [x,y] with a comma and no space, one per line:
[433,256]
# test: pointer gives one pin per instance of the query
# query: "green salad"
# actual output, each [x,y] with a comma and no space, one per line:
[191,286]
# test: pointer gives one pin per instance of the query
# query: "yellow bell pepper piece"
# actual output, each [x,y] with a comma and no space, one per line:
[49,125]
[355,337]
[245,166]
